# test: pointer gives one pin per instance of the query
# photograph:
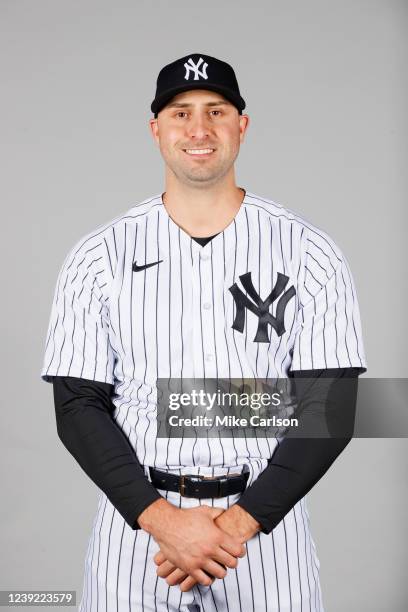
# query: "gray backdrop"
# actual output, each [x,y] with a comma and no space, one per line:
[326,89]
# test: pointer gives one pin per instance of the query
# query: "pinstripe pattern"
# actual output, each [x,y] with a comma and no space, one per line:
[175,319]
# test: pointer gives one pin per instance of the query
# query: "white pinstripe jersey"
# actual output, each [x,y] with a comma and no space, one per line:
[175,318]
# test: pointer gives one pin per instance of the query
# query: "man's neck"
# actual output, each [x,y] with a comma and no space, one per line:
[203,212]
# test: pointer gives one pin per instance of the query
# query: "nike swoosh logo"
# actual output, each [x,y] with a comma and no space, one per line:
[137,268]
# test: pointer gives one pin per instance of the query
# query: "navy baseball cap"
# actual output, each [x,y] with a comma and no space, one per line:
[196,71]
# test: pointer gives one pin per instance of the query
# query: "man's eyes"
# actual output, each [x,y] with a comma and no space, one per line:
[214,112]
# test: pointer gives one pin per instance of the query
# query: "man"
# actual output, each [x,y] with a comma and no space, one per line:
[206,280]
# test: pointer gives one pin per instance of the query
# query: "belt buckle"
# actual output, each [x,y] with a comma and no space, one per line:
[182,485]
[221,482]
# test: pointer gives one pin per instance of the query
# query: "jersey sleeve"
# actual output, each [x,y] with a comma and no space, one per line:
[78,338]
[328,325]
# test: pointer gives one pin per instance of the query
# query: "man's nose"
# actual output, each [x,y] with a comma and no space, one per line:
[198,127]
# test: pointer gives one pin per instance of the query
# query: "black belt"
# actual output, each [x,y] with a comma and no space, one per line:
[196,485]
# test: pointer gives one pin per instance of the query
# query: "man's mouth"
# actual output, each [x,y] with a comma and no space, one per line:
[199,152]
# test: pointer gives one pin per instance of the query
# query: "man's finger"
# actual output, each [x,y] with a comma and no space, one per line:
[187,584]
[165,569]
[202,577]
[233,547]
[238,552]
[177,576]
[214,569]
[159,557]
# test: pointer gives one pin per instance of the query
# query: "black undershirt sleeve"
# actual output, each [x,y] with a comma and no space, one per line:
[85,425]
[298,463]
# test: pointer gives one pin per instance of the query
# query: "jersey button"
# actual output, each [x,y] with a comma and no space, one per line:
[207,305]
[205,256]
[209,357]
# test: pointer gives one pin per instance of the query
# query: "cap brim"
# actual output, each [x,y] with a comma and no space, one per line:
[159,103]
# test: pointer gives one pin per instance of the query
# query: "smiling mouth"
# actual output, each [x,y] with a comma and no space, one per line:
[199,152]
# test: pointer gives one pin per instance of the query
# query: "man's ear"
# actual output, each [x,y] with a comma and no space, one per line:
[243,126]
[154,128]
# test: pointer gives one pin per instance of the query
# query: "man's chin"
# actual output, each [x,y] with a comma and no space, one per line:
[203,177]
[201,180]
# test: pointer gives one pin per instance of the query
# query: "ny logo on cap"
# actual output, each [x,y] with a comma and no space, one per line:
[190,66]
[260,307]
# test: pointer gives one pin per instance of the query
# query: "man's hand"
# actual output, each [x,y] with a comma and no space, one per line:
[235,521]
[239,522]
[191,541]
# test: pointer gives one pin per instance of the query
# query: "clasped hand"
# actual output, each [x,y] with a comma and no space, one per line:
[200,540]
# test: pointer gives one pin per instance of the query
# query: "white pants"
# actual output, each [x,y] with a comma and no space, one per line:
[279,573]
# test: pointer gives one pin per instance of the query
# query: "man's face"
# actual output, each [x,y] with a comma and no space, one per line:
[199,133]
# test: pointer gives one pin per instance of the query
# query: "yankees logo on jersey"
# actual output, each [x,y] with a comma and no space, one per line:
[261,307]
[138,299]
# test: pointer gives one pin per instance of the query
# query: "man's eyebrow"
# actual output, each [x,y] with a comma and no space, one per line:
[187,104]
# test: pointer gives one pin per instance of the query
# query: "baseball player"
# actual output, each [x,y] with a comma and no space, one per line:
[204,280]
